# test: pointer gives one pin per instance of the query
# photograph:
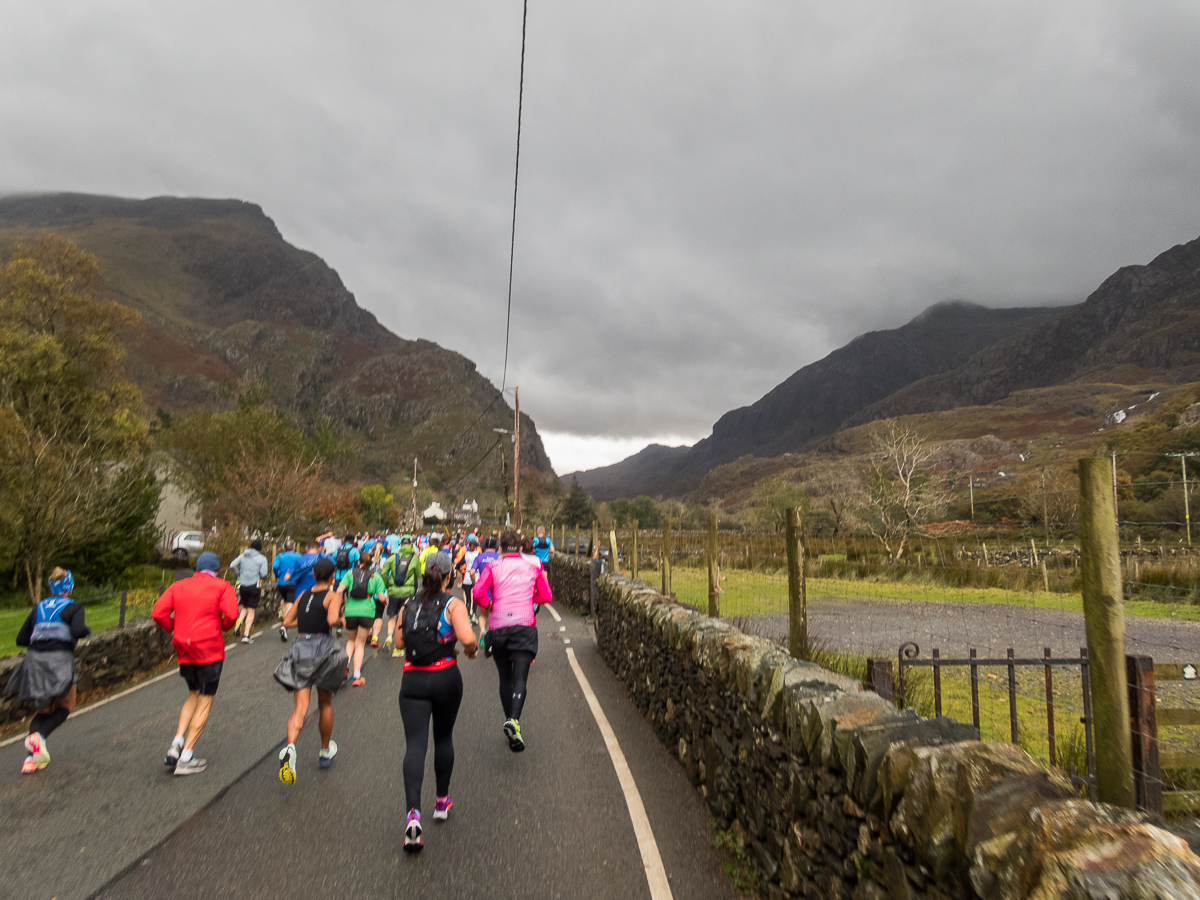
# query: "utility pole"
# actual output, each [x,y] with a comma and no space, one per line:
[517,457]
[971,486]
[1116,508]
[414,525]
[1187,512]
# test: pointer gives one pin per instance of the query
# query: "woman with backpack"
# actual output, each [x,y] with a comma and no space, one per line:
[46,676]
[362,589]
[315,660]
[431,624]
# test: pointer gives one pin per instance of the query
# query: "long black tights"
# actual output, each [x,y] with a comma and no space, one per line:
[513,666]
[425,695]
[45,723]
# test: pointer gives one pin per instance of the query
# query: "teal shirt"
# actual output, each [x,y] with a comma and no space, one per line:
[366,606]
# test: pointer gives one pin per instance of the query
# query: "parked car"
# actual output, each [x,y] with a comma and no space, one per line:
[187,544]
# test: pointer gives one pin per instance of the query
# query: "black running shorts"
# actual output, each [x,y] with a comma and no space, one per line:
[514,638]
[249,595]
[353,622]
[202,677]
[287,594]
[393,606]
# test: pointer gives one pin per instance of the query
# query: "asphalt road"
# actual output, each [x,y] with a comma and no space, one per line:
[107,819]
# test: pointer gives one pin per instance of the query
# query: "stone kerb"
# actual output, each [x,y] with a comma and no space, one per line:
[834,793]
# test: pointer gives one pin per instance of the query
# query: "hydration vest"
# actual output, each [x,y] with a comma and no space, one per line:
[422,646]
[48,625]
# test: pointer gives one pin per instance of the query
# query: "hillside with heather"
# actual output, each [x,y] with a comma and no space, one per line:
[228,303]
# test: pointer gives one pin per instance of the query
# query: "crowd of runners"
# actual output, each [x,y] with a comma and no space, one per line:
[358,587]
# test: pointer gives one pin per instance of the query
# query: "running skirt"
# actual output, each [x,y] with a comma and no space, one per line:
[43,676]
[315,660]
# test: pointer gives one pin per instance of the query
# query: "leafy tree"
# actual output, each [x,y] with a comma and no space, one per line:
[126,532]
[577,508]
[771,499]
[530,508]
[67,417]
[377,507]
[641,508]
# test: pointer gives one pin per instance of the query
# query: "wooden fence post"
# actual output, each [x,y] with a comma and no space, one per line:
[124,597]
[594,546]
[633,554]
[612,544]
[1143,732]
[577,549]
[666,558]
[1104,622]
[714,596]
[797,595]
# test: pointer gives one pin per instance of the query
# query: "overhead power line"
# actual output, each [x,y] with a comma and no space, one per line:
[512,247]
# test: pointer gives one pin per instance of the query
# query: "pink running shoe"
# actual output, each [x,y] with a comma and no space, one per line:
[441,808]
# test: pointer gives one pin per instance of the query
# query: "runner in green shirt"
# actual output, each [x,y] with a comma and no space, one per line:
[399,589]
[360,588]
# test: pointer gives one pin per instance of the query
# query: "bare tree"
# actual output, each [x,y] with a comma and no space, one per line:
[836,487]
[902,492]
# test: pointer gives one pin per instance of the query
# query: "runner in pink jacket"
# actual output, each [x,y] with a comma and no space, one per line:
[505,594]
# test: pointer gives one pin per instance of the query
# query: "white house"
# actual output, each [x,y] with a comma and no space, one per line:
[434,511]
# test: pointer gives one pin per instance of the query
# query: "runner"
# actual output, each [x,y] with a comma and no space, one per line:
[345,557]
[507,591]
[364,590]
[392,543]
[196,610]
[543,546]
[287,591]
[435,545]
[330,543]
[315,660]
[469,575]
[400,575]
[45,676]
[431,688]
[251,568]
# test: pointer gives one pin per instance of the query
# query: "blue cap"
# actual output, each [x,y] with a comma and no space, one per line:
[208,561]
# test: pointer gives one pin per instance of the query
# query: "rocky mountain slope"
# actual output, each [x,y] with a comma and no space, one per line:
[227,301]
[816,400]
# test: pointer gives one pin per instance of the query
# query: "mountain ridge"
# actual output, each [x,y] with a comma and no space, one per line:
[225,298]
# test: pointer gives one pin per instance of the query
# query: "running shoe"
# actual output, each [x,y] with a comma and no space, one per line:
[388,646]
[172,758]
[193,766]
[31,765]
[287,764]
[358,682]
[237,625]
[374,641]
[441,808]
[339,631]
[512,731]
[412,833]
[38,752]
[397,653]
[246,639]
[325,757]
[283,634]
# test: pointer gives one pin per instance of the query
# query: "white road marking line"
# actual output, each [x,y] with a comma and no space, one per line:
[562,627]
[566,640]
[117,696]
[656,875]
[554,612]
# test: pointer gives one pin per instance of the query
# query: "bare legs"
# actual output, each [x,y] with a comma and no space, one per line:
[324,720]
[193,717]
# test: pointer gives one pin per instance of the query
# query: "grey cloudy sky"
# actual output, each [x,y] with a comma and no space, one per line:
[712,194]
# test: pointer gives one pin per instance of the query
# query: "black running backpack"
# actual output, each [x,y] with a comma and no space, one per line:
[360,587]
[420,629]
[342,560]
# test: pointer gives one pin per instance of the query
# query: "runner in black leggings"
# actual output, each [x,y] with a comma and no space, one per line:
[431,623]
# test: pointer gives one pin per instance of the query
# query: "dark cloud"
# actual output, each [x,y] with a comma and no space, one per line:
[712,194]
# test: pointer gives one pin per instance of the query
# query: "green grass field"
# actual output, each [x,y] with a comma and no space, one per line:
[763,593]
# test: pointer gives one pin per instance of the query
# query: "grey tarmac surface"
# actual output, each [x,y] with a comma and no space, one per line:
[878,627]
[107,819]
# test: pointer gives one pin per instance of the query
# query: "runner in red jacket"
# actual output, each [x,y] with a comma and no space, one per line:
[196,610]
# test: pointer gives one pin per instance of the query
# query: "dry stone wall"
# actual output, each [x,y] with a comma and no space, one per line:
[836,794]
